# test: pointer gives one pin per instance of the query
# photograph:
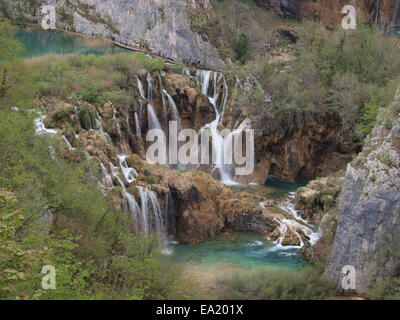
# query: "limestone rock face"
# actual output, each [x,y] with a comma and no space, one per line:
[330,12]
[318,203]
[368,232]
[161,26]
[299,146]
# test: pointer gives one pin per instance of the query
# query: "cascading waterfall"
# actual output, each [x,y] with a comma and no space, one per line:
[40,127]
[69,145]
[138,126]
[149,86]
[163,100]
[140,87]
[297,223]
[205,77]
[154,123]
[174,109]
[106,179]
[148,217]
[152,219]
[130,205]
[130,174]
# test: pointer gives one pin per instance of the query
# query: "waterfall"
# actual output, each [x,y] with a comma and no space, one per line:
[131,206]
[225,168]
[99,123]
[69,145]
[140,87]
[175,111]
[297,224]
[138,126]
[204,78]
[106,179]
[130,174]
[154,123]
[148,216]
[40,127]
[149,86]
[152,219]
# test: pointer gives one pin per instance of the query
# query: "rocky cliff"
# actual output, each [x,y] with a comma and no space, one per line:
[164,27]
[329,12]
[298,145]
[368,232]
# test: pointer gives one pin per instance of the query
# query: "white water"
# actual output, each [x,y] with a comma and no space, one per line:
[296,224]
[174,109]
[163,100]
[205,78]
[106,179]
[140,87]
[69,145]
[154,123]
[130,174]
[40,127]
[130,205]
[138,126]
[149,86]
[152,219]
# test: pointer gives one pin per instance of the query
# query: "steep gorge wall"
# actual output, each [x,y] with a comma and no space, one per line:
[299,144]
[368,232]
[161,26]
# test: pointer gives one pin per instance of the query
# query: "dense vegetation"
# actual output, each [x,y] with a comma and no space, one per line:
[51,211]
[354,73]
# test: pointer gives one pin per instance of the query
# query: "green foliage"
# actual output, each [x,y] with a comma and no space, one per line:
[10,65]
[242,48]
[306,284]
[368,118]
[198,21]
[53,200]
[386,289]
[353,73]
[175,68]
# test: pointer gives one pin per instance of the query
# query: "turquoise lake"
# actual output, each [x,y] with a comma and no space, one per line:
[42,42]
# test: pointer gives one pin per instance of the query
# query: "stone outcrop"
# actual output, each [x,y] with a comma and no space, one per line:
[161,26]
[368,232]
[318,197]
[194,108]
[202,208]
[317,203]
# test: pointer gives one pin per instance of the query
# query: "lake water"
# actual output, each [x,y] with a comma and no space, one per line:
[242,249]
[239,249]
[41,42]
